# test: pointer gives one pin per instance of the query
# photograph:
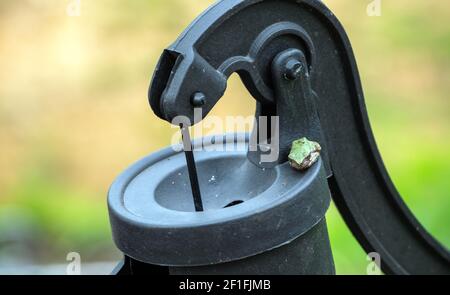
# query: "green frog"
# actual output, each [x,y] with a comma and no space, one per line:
[304,153]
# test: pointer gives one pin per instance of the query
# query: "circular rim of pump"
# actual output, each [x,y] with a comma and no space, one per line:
[177,238]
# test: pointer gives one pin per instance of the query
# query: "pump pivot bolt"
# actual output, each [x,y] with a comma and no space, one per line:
[198,99]
[293,70]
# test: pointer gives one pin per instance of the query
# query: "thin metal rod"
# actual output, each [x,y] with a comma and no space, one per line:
[193,177]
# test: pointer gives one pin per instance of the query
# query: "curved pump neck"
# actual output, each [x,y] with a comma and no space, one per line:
[293,115]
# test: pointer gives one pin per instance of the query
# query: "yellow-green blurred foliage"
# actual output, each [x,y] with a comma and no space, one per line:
[74,113]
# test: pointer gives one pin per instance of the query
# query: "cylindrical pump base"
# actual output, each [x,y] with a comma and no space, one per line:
[309,254]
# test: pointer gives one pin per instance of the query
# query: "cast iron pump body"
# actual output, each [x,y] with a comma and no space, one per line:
[297,62]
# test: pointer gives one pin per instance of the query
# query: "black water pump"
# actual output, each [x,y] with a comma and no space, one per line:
[223,212]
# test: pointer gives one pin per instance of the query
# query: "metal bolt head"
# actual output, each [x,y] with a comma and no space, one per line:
[198,99]
[293,69]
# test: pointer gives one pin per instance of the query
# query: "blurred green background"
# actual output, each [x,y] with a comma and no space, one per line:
[74,114]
